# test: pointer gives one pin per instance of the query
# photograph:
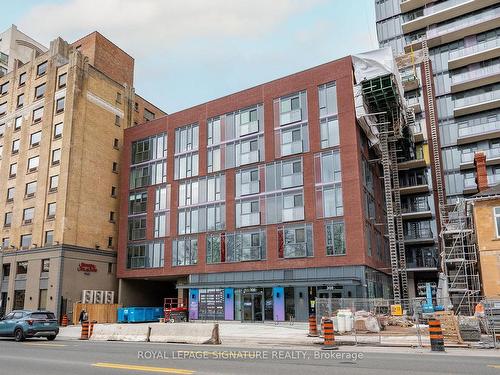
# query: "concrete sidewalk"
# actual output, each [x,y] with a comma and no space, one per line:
[288,335]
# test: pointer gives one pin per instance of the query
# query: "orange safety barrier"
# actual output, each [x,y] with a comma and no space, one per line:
[436,335]
[64,321]
[329,336]
[313,327]
[85,331]
[91,328]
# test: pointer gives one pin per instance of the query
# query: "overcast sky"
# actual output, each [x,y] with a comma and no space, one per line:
[190,51]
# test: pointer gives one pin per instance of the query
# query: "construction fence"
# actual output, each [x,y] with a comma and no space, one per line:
[370,319]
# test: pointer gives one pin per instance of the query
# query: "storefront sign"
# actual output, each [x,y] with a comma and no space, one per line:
[86,267]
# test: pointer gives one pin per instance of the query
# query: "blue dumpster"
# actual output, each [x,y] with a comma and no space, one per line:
[149,314]
[122,315]
[136,314]
[158,313]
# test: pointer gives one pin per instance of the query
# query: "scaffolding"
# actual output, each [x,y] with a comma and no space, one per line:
[382,100]
[459,257]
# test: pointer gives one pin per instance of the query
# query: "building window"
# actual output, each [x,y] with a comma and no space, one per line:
[10,194]
[26,241]
[22,79]
[186,166]
[7,219]
[110,265]
[247,182]
[42,299]
[5,267]
[37,115]
[113,191]
[148,115]
[20,100]
[329,129]
[138,203]
[35,139]
[247,213]
[249,151]
[186,138]
[41,69]
[13,170]
[40,91]
[5,243]
[136,107]
[45,265]
[18,122]
[213,131]
[201,219]
[58,130]
[3,108]
[184,252]
[328,174]
[28,214]
[161,222]
[248,121]
[111,216]
[51,210]
[110,243]
[295,241]
[56,156]
[115,167]
[149,255]
[335,238]
[137,228]
[22,268]
[245,246]
[118,97]
[60,105]
[2,129]
[292,141]
[293,207]
[117,120]
[327,99]
[203,190]
[4,88]
[213,159]
[61,81]
[291,173]
[33,163]
[15,146]
[53,183]
[141,151]
[496,212]
[290,109]
[162,198]
[49,237]
[30,189]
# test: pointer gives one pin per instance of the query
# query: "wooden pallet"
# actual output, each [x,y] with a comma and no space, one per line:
[449,326]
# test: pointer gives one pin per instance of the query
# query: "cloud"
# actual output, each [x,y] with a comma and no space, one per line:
[144,26]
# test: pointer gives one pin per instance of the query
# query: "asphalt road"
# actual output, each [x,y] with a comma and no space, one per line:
[60,357]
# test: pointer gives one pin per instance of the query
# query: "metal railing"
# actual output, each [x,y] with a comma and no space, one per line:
[474,49]
[468,157]
[478,129]
[476,99]
[472,75]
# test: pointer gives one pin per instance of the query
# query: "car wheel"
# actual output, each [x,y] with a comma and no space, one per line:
[19,335]
[51,338]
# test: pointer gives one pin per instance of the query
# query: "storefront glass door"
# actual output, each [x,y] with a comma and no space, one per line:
[252,307]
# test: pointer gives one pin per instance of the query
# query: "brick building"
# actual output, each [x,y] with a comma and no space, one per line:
[62,118]
[251,205]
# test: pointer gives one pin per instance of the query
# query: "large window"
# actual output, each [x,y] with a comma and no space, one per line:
[146,255]
[137,228]
[184,251]
[202,190]
[335,238]
[161,224]
[201,219]
[295,241]
[284,207]
[186,138]
[247,213]
[152,148]
[150,174]
[247,182]
[496,212]
[138,203]
[26,241]
[162,198]
[236,247]
[284,174]
[329,200]
[327,99]
[186,165]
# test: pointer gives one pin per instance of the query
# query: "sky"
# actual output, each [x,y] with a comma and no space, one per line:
[190,51]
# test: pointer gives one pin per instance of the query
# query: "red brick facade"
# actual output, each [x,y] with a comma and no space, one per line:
[351,150]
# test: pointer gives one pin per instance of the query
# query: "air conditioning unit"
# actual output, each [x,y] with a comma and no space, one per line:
[87,296]
[109,297]
[98,296]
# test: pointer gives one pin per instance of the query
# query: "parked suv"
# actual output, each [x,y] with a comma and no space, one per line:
[22,324]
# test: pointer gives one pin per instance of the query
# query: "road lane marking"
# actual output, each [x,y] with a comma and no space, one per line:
[143,368]
[40,344]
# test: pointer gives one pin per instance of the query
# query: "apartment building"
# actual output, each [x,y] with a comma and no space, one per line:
[62,119]
[17,48]
[251,205]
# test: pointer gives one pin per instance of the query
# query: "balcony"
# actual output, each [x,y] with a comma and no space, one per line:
[416,210]
[421,259]
[441,12]
[474,54]
[458,29]
[414,103]
[408,5]
[412,164]
[421,235]
[414,185]
[492,158]
[410,81]
[475,78]
[416,129]
[476,103]
[479,132]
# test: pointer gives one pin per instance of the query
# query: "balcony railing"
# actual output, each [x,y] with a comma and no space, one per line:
[476,99]
[475,74]
[138,262]
[425,262]
[418,234]
[413,181]
[468,131]
[471,50]
[463,23]
[468,157]
[421,206]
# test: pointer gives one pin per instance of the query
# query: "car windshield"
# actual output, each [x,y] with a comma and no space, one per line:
[43,315]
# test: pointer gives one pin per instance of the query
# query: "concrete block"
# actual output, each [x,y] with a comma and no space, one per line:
[120,332]
[187,333]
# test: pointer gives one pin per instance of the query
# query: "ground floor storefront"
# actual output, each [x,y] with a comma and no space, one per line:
[53,278]
[278,295]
